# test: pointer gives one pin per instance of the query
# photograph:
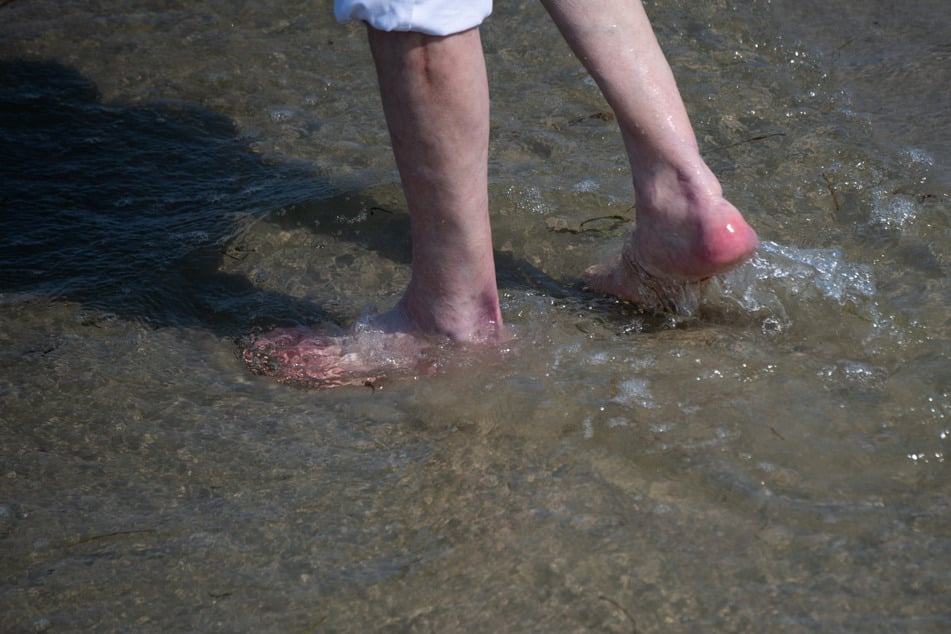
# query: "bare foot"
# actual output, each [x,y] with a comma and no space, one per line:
[386,346]
[711,239]
[663,257]
[308,358]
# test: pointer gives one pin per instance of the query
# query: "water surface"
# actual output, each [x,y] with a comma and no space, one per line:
[175,175]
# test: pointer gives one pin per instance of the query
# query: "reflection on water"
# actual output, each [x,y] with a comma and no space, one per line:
[173,178]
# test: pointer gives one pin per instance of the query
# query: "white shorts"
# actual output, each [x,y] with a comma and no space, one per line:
[433,17]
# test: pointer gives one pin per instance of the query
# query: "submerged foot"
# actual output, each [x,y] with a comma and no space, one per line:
[386,346]
[663,260]
[308,358]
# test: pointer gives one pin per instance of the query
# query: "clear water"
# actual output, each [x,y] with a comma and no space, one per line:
[174,175]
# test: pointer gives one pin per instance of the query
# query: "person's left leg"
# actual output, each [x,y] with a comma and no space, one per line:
[686,230]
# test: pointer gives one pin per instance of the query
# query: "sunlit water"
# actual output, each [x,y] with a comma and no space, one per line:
[772,459]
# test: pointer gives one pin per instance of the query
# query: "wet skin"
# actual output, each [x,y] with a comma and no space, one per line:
[435,99]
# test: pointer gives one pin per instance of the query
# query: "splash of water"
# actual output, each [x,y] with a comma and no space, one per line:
[782,280]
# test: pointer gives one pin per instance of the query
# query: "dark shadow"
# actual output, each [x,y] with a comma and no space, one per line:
[126,208]
[129,208]
[384,229]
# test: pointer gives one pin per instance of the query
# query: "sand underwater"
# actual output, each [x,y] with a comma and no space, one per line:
[174,176]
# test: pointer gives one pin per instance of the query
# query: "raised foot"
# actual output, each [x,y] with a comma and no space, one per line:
[308,358]
[664,264]
[632,282]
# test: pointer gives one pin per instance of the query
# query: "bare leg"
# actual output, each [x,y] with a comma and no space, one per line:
[436,101]
[685,229]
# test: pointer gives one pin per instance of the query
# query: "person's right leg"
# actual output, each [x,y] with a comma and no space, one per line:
[436,101]
[435,97]
[685,229]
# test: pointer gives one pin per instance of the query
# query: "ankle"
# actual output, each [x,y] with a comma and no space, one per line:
[675,192]
[460,318]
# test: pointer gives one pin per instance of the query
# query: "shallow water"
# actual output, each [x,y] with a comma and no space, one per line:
[176,175]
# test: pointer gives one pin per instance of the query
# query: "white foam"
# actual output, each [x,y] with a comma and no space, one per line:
[893,212]
[806,273]
[634,391]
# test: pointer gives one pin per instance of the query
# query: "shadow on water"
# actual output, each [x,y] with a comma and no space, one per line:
[125,208]
[129,209]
